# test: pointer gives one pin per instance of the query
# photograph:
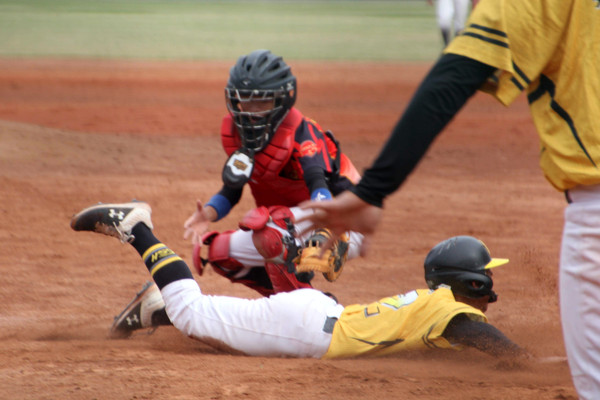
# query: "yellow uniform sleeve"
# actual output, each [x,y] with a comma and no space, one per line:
[550,50]
[513,37]
[413,321]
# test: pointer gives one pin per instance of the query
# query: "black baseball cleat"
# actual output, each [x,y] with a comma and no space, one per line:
[113,219]
[138,314]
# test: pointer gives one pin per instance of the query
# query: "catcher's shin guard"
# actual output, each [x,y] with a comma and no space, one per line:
[218,251]
[283,280]
[218,257]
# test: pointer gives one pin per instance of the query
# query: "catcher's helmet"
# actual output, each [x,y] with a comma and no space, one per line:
[461,262]
[265,79]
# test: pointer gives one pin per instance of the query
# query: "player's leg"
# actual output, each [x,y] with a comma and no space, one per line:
[233,255]
[444,13]
[579,288]
[147,309]
[266,237]
[461,13]
[288,324]
[236,257]
[272,235]
[285,324]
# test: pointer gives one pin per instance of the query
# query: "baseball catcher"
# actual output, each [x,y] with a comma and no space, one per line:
[285,158]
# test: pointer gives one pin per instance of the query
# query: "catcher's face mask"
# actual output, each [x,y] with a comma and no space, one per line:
[256,114]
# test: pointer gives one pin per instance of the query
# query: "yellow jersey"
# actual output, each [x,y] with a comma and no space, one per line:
[550,48]
[411,321]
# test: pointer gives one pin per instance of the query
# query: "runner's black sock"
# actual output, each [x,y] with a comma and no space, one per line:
[164,265]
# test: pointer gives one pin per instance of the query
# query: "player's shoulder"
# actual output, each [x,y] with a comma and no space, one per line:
[308,129]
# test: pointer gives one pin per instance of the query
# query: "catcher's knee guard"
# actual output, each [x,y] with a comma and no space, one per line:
[223,264]
[278,250]
[270,243]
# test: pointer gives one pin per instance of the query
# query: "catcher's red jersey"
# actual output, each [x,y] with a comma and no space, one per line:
[298,145]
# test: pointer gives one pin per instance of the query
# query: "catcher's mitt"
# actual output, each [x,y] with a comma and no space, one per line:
[333,259]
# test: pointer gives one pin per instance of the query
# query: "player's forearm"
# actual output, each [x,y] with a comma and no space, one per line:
[447,87]
[492,341]
[222,202]
[482,336]
[210,213]
[314,177]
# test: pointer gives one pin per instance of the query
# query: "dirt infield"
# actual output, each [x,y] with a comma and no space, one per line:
[73,133]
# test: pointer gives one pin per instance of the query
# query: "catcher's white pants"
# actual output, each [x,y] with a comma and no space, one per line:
[579,281]
[242,249]
[287,324]
[452,14]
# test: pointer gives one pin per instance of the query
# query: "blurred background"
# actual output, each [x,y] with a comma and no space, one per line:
[401,30]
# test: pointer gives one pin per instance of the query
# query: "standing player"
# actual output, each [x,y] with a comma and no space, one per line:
[308,323]
[451,16]
[551,49]
[285,158]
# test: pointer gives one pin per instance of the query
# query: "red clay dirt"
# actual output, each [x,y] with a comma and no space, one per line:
[73,133]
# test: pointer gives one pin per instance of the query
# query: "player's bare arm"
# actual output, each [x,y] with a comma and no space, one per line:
[482,336]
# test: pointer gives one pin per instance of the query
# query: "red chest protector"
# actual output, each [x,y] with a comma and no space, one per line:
[268,187]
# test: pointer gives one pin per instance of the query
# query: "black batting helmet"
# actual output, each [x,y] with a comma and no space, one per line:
[259,77]
[461,262]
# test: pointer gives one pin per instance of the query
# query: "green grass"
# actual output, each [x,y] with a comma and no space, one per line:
[190,30]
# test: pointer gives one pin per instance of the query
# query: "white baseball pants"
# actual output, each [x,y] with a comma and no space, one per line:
[579,288]
[287,324]
[452,14]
